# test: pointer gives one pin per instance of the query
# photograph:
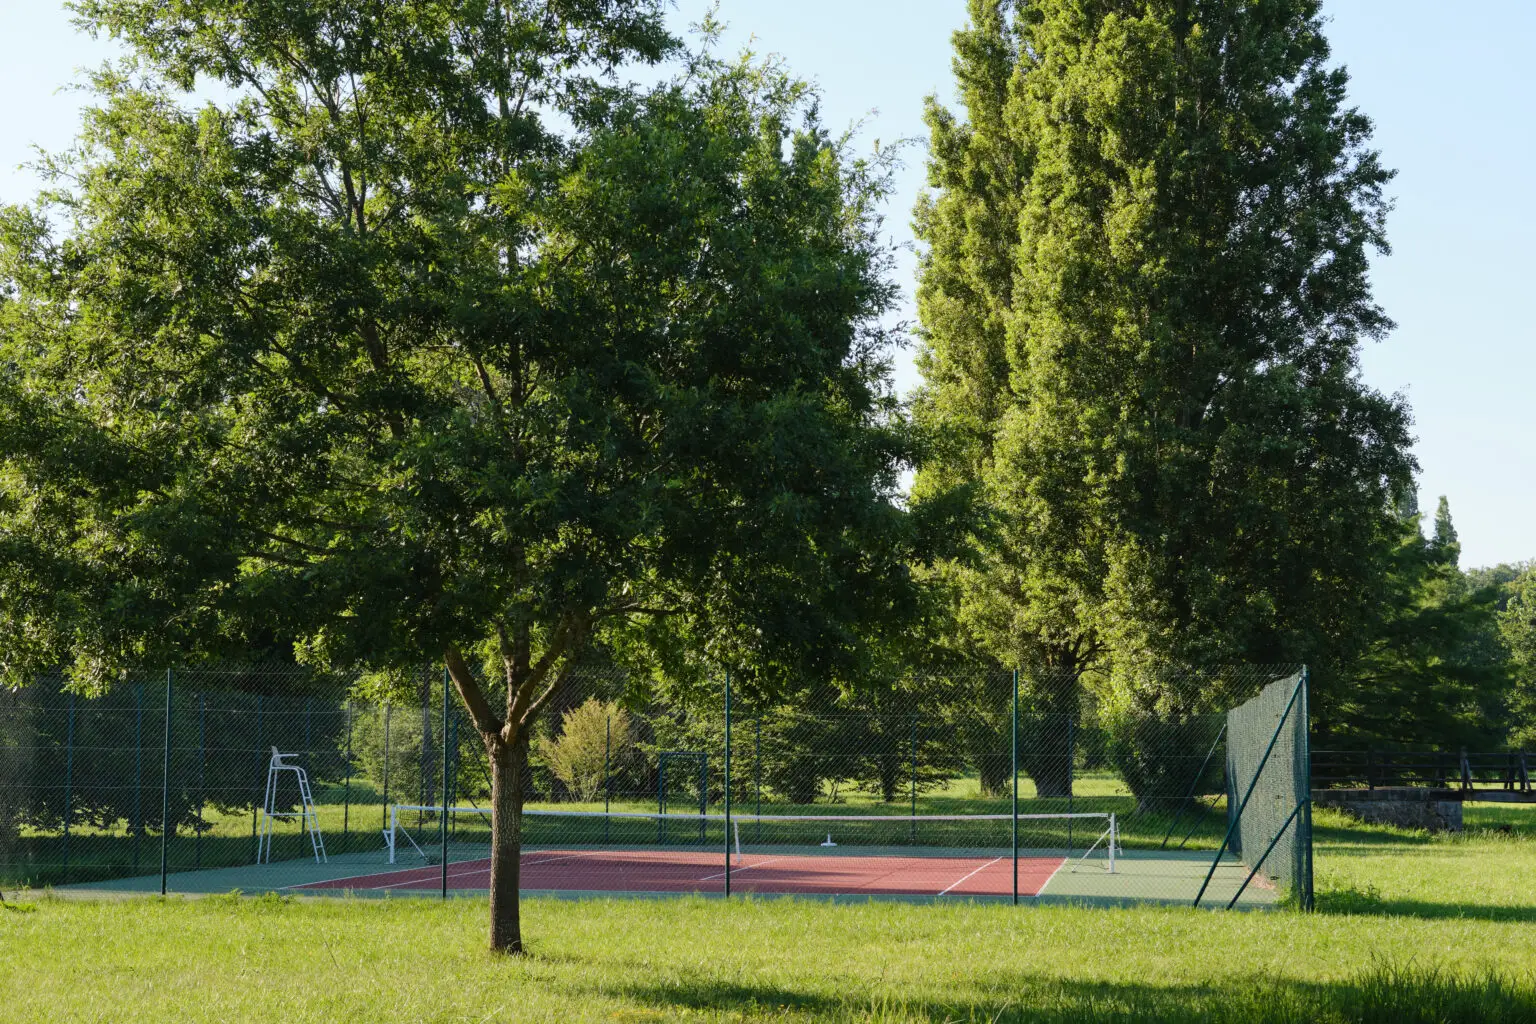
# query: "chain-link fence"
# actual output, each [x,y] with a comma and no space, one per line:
[978,783]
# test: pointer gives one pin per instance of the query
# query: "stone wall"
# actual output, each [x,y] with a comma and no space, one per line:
[1437,810]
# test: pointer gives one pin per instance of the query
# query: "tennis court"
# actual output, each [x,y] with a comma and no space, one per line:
[928,857]
[702,871]
[1061,858]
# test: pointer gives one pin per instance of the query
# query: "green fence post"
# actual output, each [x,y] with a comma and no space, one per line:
[424,753]
[255,768]
[1071,789]
[69,782]
[202,777]
[607,772]
[1015,760]
[1307,901]
[455,759]
[165,789]
[384,811]
[757,774]
[346,788]
[913,784]
[442,819]
[1265,856]
[727,783]
[703,796]
[138,770]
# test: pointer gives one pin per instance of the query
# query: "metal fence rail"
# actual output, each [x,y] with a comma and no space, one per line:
[1470,772]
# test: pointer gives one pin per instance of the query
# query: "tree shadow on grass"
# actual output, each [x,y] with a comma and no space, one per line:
[1380,995]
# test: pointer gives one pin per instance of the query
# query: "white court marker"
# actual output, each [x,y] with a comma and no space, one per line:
[988,864]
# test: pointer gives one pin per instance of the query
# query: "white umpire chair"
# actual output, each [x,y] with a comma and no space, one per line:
[310,821]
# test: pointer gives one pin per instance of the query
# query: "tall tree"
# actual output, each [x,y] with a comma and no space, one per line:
[1142,302]
[1434,672]
[436,338]
[1517,628]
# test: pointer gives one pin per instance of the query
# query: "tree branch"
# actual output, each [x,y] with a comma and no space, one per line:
[470,693]
[521,707]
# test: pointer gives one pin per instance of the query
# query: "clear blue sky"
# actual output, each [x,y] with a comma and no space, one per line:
[1448,86]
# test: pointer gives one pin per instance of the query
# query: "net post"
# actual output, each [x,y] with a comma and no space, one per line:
[727,838]
[442,818]
[165,789]
[1253,783]
[1014,757]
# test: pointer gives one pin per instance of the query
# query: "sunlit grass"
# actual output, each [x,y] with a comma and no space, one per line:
[1412,927]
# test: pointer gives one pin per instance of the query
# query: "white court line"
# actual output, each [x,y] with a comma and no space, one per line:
[326,883]
[988,864]
[1050,878]
[568,856]
[736,871]
[472,871]
[483,862]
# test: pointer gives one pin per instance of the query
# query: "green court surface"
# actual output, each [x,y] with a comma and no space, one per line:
[249,878]
[1160,877]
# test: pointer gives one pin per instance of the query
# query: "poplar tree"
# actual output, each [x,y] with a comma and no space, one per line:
[1142,300]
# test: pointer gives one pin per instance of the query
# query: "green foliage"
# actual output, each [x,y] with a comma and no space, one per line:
[594,738]
[1517,628]
[392,749]
[1435,672]
[1143,297]
[432,336]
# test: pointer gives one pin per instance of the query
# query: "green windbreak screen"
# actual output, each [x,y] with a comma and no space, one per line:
[1273,829]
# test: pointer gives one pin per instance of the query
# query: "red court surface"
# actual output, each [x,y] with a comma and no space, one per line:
[689,871]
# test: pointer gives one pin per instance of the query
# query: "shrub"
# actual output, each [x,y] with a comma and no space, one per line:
[594,738]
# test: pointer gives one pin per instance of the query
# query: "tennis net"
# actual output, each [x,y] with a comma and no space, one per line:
[1083,838]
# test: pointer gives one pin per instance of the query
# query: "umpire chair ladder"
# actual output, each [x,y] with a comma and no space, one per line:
[279,764]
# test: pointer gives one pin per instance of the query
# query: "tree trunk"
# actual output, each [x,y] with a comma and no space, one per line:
[1051,771]
[995,774]
[1047,731]
[508,766]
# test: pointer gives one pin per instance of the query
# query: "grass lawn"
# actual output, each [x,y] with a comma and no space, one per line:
[1411,928]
